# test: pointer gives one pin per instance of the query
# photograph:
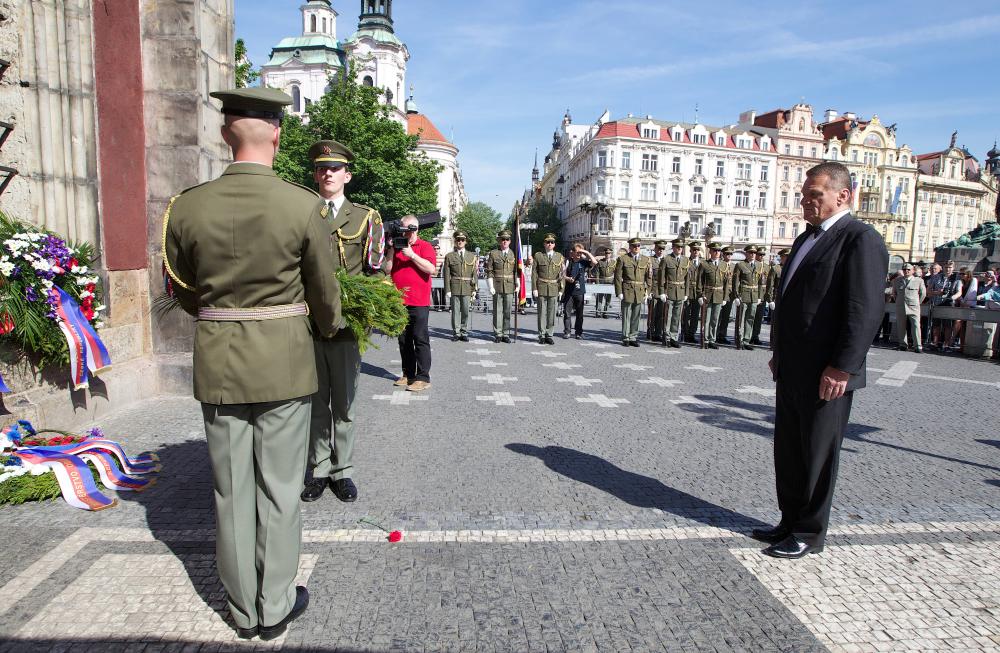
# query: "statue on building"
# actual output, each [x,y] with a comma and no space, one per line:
[978,237]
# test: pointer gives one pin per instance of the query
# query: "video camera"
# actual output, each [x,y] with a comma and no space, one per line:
[399,236]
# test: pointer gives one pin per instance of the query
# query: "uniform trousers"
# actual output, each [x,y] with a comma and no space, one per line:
[502,304]
[808,433]
[460,314]
[338,367]
[672,319]
[547,315]
[712,312]
[727,311]
[258,455]
[749,311]
[758,321]
[631,316]
[656,321]
[602,304]
[692,317]
[415,345]
[573,314]
[907,327]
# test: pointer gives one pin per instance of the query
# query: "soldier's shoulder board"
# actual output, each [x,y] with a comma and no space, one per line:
[292,183]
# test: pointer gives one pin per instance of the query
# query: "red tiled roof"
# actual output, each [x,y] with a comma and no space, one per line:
[772,119]
[616,129]
[420,125]
[839,128]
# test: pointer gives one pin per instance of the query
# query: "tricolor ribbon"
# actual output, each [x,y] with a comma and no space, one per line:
[376,244]
[86,350]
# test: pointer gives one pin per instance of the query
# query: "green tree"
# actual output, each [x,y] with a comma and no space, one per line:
[545,215]
[245,74]
[481,224]
[389,174]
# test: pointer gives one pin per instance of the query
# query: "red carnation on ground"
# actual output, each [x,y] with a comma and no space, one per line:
[395,536]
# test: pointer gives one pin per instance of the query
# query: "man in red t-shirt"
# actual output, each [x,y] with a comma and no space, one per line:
[411,269]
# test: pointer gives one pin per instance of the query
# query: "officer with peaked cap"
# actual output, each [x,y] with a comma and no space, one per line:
[248,255]
[692,312]
[726,313]
[746,294]
[547,286]
[760,257]
[358,245]
[633,280]
[673,282]
[500,265]
[712,292]
[460,284]
[655,321]
[605,274]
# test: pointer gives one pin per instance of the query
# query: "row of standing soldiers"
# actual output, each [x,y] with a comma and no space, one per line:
[685,292]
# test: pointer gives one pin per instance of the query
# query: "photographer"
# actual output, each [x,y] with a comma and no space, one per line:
[411,267]
[575,278]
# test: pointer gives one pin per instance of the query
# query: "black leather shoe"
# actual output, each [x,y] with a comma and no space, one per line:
[314,489]
[579,336]
[791,548]
[675,344]
[633,343]
[770,535]
[748,347]
[464,338]
[505,339]
[541,340]
[625,343]
[301,603]
[712,345]
[755,341]
[247,633]
[549,340]
[455,338]
[901,348]
[345,489]
[496,338]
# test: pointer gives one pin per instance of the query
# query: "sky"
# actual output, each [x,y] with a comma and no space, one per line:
[497,77]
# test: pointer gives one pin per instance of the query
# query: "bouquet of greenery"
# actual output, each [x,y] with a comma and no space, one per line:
[371,304]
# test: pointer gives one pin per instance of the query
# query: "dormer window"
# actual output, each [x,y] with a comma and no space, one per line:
[678,135]
[651,132]
[699,139]
[720,141]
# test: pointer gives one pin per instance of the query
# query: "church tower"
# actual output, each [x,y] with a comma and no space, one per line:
[318,17]
[379,55]
[376,14]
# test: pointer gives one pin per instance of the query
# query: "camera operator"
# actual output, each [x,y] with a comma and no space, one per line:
[575,277]
[411,267]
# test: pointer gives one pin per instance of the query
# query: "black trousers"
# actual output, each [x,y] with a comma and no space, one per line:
[807,436]
[415,345]
[724,316]
[573,306]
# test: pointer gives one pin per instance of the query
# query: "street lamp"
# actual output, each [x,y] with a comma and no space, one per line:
[594,208]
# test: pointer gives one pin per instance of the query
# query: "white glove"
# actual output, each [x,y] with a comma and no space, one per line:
[770,306]
[489,282]
[701,301]
[493,291]
[517,287]
[622,297]
[736,302]
[663,298]
[534,293]
[447,296]
[685,297]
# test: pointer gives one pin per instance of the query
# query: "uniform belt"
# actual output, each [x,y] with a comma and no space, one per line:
[676,283]
[634,283]
[715,287]
[215,314]
[547,280]
[461,278]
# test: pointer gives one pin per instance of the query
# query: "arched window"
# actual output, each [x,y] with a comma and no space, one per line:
[312,23]
[324,26]
[368,81]
[296,99]
[899,235]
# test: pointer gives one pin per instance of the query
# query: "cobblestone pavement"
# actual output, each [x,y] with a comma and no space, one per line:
[576,497]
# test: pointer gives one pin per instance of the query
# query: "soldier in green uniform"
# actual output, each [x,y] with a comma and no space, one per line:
[547,278]
[460,284]
[355,236]
[672,281]
[248,255]
[692,312]
[746,295]
[655,330]
[500,265]
[633,279]
[713,276]
[727,308]
[760,256]
[605,274]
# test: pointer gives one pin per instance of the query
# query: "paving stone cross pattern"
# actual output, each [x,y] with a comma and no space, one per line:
[537,516]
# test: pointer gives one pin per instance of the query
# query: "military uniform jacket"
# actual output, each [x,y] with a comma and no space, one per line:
[606,271]
[248,240]
[633,278]
[672,277]
[349,234]
[714,281]
[547,275]
[746,282]
[694,267]
[773,282]
[460,273]
[654,285]
[500,267]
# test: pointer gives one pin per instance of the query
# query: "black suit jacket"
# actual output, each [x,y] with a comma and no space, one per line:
[828,311]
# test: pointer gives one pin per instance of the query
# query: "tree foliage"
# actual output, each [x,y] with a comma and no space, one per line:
[245,73]
[389,174]
[545,215]
[481,224]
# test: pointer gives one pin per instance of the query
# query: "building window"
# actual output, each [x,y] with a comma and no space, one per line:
[788,149]
[718,197]
[854,156]
[763,172]
[923,218]
[718,226]
[701,139]
[647,192]
[720,141]
[937,219]
[647,223]
[600,187]
[649,161]
[368,81]
[626,160]
[296,99]
[947,220]
[625,189]
[695,225]
[648,132]
[762,200]
[741,229]
[312,23]
[813,153]
[795,230]
[720,168]
[698,166]
[781,230]
[743,171]
[696,196]
[833,155]
[675,165]
[920,244]
[798,198]
[678,135]
[798,174]
[784,173]
[760,230]
[899,235]
[623,222]
[784,199]
[801,150]
[675,225]
[675,193]
[905,160]
[602,158]
[743,199]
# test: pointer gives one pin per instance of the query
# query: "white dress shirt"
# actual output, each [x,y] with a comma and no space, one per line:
[810,242]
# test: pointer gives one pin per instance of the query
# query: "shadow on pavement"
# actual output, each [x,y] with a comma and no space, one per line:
[632,488]
[167,644]
[377,372]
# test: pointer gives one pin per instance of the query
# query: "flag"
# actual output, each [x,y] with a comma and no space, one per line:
[895,199]
[521,293]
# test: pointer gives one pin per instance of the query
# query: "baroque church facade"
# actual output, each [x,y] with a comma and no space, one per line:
[302,66]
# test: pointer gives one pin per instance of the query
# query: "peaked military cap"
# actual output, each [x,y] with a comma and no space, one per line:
[761,249]
[258,102]
[503,234]
[661,243]
[784,252]
[460,235]
[677,242]
[549,238]
[714,246]
[634,241]
[750,248]
[694,244]
[330,154]
[608,250]
[727,250]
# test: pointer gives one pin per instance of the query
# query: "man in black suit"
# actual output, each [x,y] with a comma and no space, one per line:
[828,307]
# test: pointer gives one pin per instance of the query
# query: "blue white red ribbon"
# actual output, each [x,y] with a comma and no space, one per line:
[87,352]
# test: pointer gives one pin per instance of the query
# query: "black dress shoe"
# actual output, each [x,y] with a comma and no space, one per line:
[549,340]
[748,347]
[345,489]
[901,348]
[301,603]
[754,341]
[712,345]
[505,339]
[675,344]
[579,336]
[791,548]
[247,633]
[455,338]
[464,338]
[633,343]
[496,338]
[314,489]
[625,343]
[541,340]
[770,535]
[566,336]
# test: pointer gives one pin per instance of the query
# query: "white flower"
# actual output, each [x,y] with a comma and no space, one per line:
[41,264]
[35,236]
[6,268]
[79,269]
[99,308]
[85,294]
[98,325]
[47,283]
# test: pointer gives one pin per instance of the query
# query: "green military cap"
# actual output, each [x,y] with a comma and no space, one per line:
[330,154]
[761,249]
[258,102]
[608,250]
[677,242]
[750,249]
[549,238]
[694,244]
[661,243]
[634,241]
[460,235]
[784,252]
[727,250]
[503,234]
[714,246]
